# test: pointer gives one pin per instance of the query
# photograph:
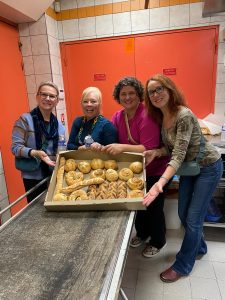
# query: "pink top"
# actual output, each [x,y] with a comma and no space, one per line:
[144,131]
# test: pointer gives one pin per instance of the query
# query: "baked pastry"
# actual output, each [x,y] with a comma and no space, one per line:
[80,184]
[70,165]
[78,195]
[84,166]
[103,190]
[125,174]
[60,197]
[136,194]
[111,175]
[121,189]
[59,176]
[92,192]
[112,191]
[72,177]
[98,173]
[111,164]
[97,163]
[136,167]
[135,183]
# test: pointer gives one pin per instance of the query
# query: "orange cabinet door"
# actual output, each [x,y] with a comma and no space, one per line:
[13,103]
[190,55]
[98,63]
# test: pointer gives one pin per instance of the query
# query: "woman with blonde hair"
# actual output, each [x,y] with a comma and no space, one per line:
[91,129]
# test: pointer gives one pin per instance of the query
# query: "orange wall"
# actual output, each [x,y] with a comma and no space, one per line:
[191,52]
[13,102]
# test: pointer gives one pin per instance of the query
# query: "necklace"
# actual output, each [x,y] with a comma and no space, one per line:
[82,127]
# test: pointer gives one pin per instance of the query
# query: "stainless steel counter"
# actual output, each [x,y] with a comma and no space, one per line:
[63,255]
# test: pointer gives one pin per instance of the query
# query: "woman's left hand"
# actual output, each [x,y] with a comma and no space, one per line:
[152,194]
[48,161]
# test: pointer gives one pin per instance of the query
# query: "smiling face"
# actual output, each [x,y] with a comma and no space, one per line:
[47,98]
[129,98]
[158,94]
[91,105]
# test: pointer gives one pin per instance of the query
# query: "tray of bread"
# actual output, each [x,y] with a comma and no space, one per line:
[90,180]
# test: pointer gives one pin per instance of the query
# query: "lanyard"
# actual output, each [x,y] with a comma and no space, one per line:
[82,127]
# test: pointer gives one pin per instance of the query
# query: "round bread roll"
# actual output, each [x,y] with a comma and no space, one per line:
[84,167]
[136,167]
[111,175]
[70,165]
[60,197]
[125,174]
[136,194]
[72,176]
[98,173]
[97,163]
[135,183]
[111,164]
[78,195]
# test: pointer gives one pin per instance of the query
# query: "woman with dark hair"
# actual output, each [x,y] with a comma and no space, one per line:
[138,132]
[36,134]
[182,136]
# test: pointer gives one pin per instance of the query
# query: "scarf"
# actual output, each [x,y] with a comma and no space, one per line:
[42,129]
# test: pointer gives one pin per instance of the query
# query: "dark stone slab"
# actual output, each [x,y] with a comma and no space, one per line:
[59,255]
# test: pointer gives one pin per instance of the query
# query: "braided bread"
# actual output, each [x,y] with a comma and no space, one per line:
[121,189]
[92,192]
[102,190]
[81,184]
[112,190]
[59,176]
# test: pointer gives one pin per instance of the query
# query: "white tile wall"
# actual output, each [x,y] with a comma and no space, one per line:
[84,3]
[70,29]
[140,21]
[3,189]
[32,100]
[52,29]
[24,29]
[38,27]
[55,64]
[42,64]
[179,15]
[122,23]
[28,65]
[1,164]
[196,14]
[42,77]
[31,83]
[39,44]
[87,27]
[104,25]
[26,45]
[159,18]
[53,46]
[68,4]
[3,204]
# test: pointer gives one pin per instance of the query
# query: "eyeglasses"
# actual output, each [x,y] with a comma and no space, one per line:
[158,91]
[45,96]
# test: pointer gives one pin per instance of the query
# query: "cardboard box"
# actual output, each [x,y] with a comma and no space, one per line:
[123,160]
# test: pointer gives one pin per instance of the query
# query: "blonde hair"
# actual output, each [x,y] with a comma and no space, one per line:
[48,83]
[95,91]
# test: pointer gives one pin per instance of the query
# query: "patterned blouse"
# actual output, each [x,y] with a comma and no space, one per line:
[183,140]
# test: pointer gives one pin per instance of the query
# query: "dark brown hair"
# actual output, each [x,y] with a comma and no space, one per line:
[176,97]
[129,81]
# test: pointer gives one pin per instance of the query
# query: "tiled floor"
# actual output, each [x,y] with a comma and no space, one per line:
[207,280]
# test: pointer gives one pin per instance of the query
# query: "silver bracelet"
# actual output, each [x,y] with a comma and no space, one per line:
[164,178]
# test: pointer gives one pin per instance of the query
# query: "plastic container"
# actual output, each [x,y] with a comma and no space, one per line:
[88,140]
[223,133]
[61,143]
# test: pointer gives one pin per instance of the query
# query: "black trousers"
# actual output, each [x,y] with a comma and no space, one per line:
[30,183]
[151,222]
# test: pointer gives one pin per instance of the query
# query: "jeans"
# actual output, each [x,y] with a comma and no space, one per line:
[195,193]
